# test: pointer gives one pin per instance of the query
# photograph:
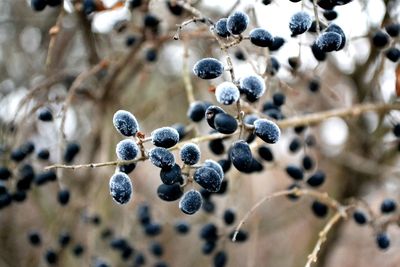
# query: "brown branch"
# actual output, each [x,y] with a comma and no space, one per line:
[323,197]
[312,258]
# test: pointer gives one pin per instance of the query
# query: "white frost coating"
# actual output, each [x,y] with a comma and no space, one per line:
[329,41]
[103,22]
[190,153]
[300,22]
[165,137]
[208,68]
[125,123]
[191,202]
[127,149]
[120,187]
[253,85]
[227,93]
[215,166]
[267,130]
[161,157]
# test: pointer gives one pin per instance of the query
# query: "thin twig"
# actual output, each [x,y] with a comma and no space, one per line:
[315,6]
[323,197]
[322,238]
[186,75]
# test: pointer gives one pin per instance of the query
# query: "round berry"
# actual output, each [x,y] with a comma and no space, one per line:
[5,173]
[380,39]
[43,154]
[261,37]
[317,52]
[182,227]
[329,41]
[125,123]
[299,23]
[393,29]
[227,93]
[34,238]
[388,205]
[383,241]
[265,153]
[253,86]
[51,256]
[161,158]
[214,165]
[229,216]
[294,172]
[277,43]
[393,54]
[190,154]
[359,217]
[237,22]
[71,151]
[208,178]
[196,111]
[221,29]
[241,155]
[127,149]
[191,202]
[120,187]
[225,123]
[45,114]
[267,130]
[171,176]
[319,209]
[63,197]
[38,5]
[165,137]
[210,114]
[208,68]
[169,192]
[317,179]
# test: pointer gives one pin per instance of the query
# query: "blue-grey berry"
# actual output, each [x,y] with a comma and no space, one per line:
[261,37]
[190,154]
[335,28]
[241,156]
[161,158]
[120,187]
[125,123]
[227,93]
[267,130]
[253,86]
[208,178]
[191,202]
[299,23]
[127,149]
[165,137]
[208,68]
[196,111]
[221,29]
[329,41]
[237,22]
[214,165]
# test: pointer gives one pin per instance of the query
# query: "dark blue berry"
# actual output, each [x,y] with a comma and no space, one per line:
[267,130]
[225,123]
[169,192]
[227,93]
[165,137]
[196,111]
[265,153]
[359,217]
[294,172]
[253,86]
[125,123]
[71,150]
[299,23]
[210,114]
[5,173]
[317,179]
[229,216]
[182,227]
[261,37]
[380,39]
[221,29]
[241,155]
[120,187]
[208,68]
[45,114]
[43,154]
[38,5]
[161,158]
[237,22]
[63,197]
[34,238]
[319,209]
[329,41]
[220,259]
[388,205]
[208,178]
[171,176]
[191,202]
[127,149]
[393,29]
[383,241]
[190,153]
[393,54]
